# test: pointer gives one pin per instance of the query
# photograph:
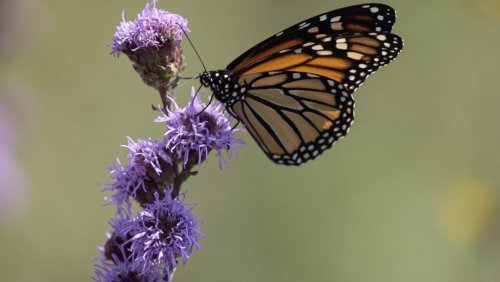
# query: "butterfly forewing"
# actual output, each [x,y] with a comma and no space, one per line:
[347,59]
[360,18]
[294,116]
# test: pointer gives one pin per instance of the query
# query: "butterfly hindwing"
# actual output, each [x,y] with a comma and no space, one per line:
[364,18]
[294,116]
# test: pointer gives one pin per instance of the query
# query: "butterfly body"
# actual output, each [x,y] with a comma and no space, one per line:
[294,91]
[222,85]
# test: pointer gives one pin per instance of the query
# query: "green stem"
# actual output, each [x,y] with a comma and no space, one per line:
[164,93]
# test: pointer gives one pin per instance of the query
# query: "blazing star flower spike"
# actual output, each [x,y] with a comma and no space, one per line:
[153,43]
[193,131]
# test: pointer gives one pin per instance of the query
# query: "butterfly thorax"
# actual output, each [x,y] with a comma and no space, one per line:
[222,84]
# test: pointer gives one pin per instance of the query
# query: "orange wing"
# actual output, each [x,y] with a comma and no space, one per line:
[348,59]
[364,18]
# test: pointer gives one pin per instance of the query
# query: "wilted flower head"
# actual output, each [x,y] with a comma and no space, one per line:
[194,131]
[163,232]
[153,44]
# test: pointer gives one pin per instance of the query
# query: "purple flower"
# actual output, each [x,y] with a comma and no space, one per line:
[146,155]
[194,131]
[152,28]
[118,271]
[153,43]
[115,262]
[110,272]
[163,232]
[117,247]
[139,177]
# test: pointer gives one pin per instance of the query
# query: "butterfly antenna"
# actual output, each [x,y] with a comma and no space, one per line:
[192,45]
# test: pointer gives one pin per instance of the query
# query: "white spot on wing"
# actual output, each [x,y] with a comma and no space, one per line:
[325,53]
[335,19]
[341,46]
[304,25]
[354,55]
[313,29]
[317,47]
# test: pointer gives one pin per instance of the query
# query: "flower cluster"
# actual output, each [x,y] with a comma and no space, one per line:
[153,28]
[162,233]
[153,43]
[148,244]
[195,130]
[147,162]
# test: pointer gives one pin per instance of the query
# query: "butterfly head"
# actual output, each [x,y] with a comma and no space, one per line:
[221,84]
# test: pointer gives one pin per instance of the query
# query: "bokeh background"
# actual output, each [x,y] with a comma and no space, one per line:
[412,193]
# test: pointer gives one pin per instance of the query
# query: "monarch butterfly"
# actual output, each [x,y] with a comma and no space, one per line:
[293,91]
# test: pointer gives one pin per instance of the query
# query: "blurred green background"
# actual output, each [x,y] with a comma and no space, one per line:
[412,193]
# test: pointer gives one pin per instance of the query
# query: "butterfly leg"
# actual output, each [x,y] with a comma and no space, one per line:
[236,125]
[209,102]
